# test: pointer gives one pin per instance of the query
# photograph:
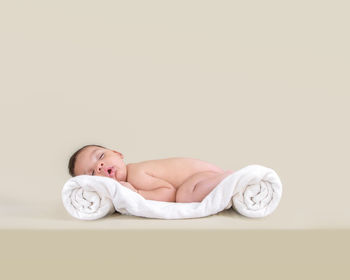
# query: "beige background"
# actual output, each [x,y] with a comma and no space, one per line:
[231,83]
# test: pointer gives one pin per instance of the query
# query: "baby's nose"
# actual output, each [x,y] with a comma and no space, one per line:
[100,167]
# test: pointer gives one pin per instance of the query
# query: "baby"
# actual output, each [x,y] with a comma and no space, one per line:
[170,180]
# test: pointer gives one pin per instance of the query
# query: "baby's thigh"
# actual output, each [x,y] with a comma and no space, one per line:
[198,177]
[184,192]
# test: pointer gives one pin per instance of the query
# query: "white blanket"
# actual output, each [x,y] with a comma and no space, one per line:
[254,191]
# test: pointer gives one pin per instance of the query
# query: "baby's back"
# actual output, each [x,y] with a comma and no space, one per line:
[173,170]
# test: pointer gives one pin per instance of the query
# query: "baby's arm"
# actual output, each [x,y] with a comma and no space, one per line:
[154,188]
[128,185]
[160,194]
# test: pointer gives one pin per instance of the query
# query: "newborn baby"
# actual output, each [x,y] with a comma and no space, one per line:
[172,180]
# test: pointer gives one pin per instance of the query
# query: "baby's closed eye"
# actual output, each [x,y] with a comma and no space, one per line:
[93,171]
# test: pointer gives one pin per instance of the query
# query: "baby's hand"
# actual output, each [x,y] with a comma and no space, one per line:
[128,185]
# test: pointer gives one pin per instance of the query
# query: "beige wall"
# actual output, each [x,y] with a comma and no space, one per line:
[263,82]
[231,83]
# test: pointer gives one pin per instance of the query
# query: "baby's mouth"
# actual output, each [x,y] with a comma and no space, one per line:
[111,172]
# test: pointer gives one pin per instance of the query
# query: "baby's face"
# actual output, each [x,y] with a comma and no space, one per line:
[101,162]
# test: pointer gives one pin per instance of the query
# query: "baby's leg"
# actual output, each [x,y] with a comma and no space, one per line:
[198,186]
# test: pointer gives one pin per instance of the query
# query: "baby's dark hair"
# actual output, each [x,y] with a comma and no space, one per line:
[73,158]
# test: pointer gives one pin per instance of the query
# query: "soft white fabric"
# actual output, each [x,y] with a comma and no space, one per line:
[254,191]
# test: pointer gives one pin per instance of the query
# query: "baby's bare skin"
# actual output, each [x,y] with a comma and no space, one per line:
[188,179]
[175,179]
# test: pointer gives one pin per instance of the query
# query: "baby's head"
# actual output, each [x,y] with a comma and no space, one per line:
[99,161]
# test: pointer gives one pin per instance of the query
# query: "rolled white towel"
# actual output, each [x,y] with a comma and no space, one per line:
[257,192]
[253,191]
[89,197]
